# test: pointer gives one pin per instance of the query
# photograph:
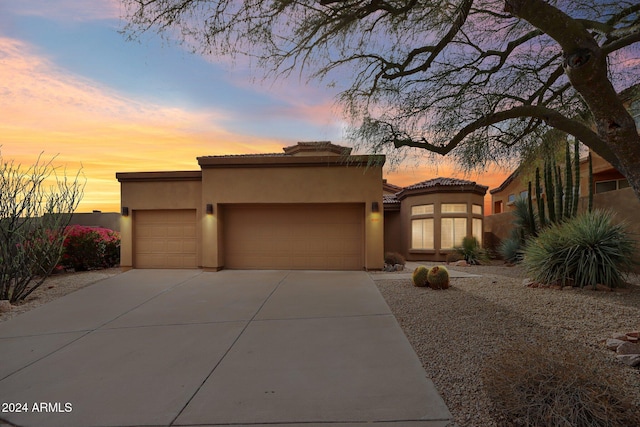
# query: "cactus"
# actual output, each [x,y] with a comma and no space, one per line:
[438,277]
[550,191]
[576,187]
[420,276]
[532,218]
[540,200]
[590,184]
[568,180]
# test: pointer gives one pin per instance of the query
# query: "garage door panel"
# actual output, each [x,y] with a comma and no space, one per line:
[165,239]
[294,236]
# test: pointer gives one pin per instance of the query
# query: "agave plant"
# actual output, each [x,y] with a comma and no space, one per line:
[587,250]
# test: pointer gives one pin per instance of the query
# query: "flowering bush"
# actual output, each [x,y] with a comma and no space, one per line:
[90,248]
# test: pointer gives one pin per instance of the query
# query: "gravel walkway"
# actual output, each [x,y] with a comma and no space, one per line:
[455,332]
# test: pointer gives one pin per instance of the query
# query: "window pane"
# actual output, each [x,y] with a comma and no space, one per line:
[623,183]
[476,209]
[454,208]
[460,230]
[416,234]
[477,229]
[604,186]
[452,232]
[512,198]
[422,209]
[422,233]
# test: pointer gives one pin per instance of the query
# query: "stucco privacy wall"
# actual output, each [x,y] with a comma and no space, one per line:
[286,180]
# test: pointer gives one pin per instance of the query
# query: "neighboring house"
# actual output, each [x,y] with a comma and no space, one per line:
[425,221]
[315,206]
[611,189]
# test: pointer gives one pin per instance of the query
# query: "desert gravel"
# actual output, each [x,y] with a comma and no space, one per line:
[455,331]
[57,286]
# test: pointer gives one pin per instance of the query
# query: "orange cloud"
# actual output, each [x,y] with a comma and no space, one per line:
[45,108]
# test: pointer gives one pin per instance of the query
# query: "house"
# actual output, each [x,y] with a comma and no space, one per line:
[610,188]
[314,206]
[425,221]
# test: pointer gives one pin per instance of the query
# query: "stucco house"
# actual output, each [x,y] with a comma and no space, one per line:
[427,220]
[314,206]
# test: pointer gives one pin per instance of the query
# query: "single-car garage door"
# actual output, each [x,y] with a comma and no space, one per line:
[321,237]
[165,239]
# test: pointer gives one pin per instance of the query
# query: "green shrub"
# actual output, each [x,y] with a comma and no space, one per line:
[471,251]
[539,384]
[420,276]
[393,258]
[438,277]
[511,250]
[587,250]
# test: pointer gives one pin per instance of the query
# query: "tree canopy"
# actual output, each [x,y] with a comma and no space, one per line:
[477,79]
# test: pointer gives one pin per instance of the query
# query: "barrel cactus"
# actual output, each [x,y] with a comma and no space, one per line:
[420,276]
[438,277]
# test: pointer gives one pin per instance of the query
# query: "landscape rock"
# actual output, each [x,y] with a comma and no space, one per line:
[528,282]
[629,359]
[634,334]
[628,348]
[620,336]
[613,343]
[399,267]
[461,263]
[5,306]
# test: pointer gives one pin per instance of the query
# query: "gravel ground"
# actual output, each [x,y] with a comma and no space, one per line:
[455,332]
[57,286]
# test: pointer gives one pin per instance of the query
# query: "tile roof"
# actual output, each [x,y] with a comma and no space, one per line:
[390,199]
[445,182]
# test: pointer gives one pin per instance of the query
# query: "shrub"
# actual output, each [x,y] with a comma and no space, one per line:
[510,250]
[438,277]
[539,385]
[471,251]
[588,249]
[393,258]
[89,248]
[420,276]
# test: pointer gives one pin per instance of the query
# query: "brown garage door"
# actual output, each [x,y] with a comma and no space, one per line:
[165,239]
[321,237]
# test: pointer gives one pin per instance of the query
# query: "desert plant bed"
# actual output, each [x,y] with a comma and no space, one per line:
[460,334]
[57,286]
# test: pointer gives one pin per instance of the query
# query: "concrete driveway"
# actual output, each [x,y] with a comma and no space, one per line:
[187,348]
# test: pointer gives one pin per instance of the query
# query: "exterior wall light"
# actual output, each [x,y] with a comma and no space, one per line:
[125,211]
[209,209]
[375,207]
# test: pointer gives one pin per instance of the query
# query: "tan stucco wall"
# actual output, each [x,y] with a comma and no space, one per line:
[437,198]
[155,195]
[292,184]
[393,232]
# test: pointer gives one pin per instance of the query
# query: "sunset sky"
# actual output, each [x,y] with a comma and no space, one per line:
[72,86]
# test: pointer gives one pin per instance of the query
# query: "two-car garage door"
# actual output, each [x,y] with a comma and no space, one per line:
[284,236]
[257,236]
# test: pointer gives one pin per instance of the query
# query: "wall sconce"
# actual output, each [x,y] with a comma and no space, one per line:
[209,209]
[375,207]
[125,211]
